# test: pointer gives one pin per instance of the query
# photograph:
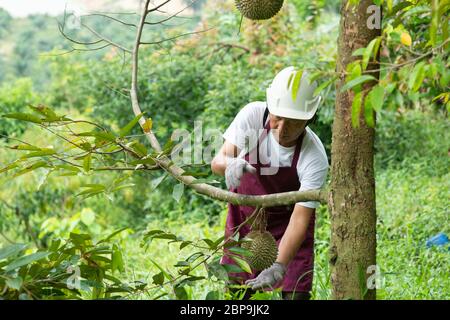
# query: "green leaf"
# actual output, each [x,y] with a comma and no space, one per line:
[370,50]
[240,251]
[10,166]
[93,189]
[23,116]
[323,86]
[122,186]
[34,166]
[42,153]
[87,162]
[178,192]
[117,259]
[185,244]
[417,76]
[296,84]
[213,295]
[368,113]
[400,6]
[11,250]
[79,238]
[359,52]
[125,130]
[166,274]
[100,135]
[376,96]
[356,109]
[241,263]
[181,293]
[182,264]
[15,283]
[168,146]
[48,113]
[138,147]
[22,261]
[218,270]
[86,146]
[158,278]
[25,147]
[156,182]
[113,235]
[357,81]
[211,244]
[232,268]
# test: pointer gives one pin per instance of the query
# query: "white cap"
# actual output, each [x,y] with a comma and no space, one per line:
[280,95]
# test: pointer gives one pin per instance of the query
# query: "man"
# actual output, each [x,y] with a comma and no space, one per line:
[287,156]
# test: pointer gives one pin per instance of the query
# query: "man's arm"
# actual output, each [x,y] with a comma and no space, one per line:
[219,163]
[295,234]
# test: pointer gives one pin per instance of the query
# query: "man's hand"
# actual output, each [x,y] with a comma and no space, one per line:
[268,277]
[234,171]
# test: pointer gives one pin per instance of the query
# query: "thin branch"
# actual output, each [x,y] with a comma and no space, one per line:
[106,39]
[173,15]
[61,30]
[176,37]
[147,11]
[109,17]
[134,75]
[74,50]
[107,168]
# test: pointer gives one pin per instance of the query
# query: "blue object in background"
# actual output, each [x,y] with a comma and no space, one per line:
[438,240]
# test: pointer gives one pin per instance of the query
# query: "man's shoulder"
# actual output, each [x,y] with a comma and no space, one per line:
[254,107]
[315,147]
[253,113]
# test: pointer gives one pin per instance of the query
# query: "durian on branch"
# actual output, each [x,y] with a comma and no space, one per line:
[164,162]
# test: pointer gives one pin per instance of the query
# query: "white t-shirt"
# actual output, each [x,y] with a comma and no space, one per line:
[312,165]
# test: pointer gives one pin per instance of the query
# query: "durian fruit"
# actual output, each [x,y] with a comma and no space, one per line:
[263,249]
[259,9]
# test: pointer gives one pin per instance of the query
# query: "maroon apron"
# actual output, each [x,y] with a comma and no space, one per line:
[299,275]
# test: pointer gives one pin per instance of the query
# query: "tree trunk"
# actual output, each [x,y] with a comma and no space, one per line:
[352,194]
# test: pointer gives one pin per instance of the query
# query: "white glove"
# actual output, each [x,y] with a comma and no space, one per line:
[235,169]
[268,277]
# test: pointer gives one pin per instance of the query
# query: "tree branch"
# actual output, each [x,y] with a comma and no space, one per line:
[202,188]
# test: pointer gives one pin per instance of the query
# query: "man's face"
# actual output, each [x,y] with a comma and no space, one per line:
[287,130]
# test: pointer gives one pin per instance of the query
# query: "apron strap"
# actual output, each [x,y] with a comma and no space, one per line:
[266,114]
[263,135]
[298,148]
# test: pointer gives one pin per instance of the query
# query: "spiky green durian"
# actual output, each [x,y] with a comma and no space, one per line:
[263,249]
[259,9]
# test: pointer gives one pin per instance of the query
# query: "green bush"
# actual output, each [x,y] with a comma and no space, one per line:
[14,97]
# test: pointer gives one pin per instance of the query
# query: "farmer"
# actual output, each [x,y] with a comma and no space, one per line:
[286,155]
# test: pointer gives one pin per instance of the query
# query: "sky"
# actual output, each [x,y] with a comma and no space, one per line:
[21,8]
